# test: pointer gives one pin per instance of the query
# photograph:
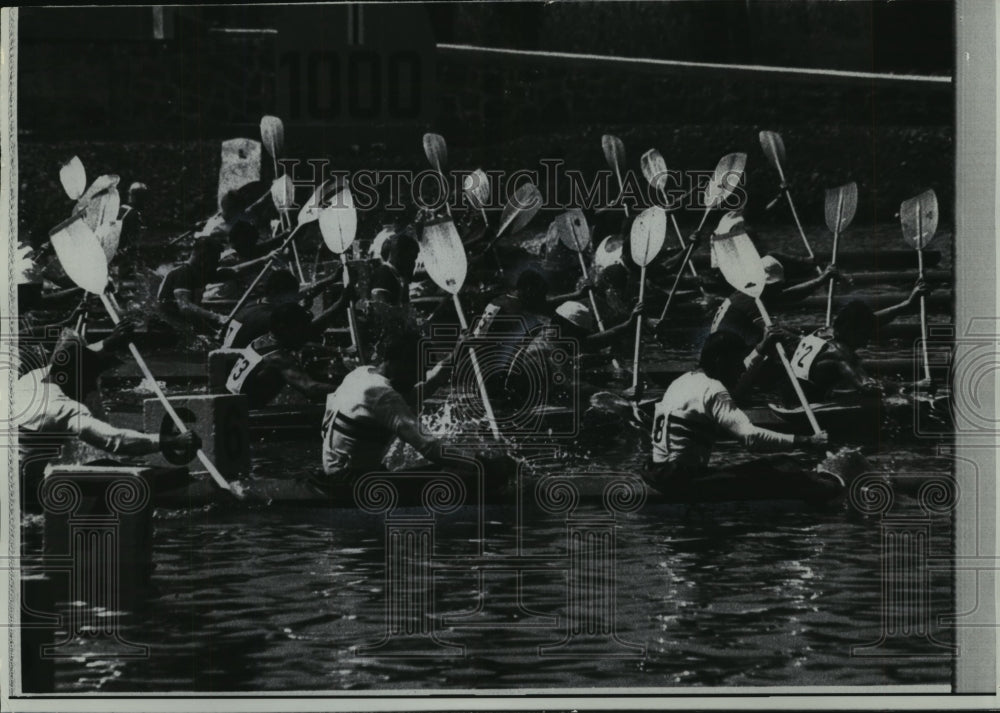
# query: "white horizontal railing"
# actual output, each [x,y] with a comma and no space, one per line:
[655,65]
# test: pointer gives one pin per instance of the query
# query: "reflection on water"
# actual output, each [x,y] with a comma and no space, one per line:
[287,599]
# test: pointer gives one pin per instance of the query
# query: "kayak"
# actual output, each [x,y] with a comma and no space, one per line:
[867,420]
[783,479]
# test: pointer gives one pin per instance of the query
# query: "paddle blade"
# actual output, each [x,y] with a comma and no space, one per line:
[436,150]
[654,168]
[520,209]
[338,222]
[739,262]
[100,202]
[609,252]
[272,135]
[614,152]
[80,254]
[444,255]
[728,175]
[840,207]
[240,165]
[108,235]
[774,148]
[477,188]
[283,193]
[919,218]
[73,178]
[572,229]
[648,233]
[319,199]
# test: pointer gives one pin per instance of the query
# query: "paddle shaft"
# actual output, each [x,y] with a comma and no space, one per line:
[833,258]
[788,370]
[352,319]
[795,213]
[487,406]
[593,302]
[242,300]
[621,188]
[181,426]
[677,278]
[923,303]
[638,335]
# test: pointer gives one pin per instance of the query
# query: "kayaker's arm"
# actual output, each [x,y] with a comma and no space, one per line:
[303,383]
[611,334]
[756,359]
[187,306]
[835,371]
[884,316]
[755,438]
[326,315]
[394,413]
[801,290]
[576,296]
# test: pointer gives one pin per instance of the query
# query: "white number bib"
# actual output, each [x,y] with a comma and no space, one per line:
[231,330]
[805,354]
[241,369]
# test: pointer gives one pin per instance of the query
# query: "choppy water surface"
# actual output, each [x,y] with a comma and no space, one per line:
[285,599]
[288,598]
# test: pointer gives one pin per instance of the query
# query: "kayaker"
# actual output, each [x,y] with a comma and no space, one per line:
[537,364]
[511,321]
[739,314]
[826,362]
[49,408]
[181,290]
[281,287]
[375,405]
[696,407]
[390,281]
[270,362]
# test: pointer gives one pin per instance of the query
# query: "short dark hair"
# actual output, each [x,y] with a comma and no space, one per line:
[243,236]
[719,352]
[857,317]
[290,324]
[280,282]
[401,244]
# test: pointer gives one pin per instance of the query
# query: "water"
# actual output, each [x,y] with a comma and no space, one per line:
[284,599]
[750,595]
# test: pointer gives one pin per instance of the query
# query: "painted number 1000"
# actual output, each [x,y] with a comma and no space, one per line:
[364,85]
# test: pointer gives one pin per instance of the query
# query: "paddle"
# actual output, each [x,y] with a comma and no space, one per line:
[445,261]
[646,239]
[272,135]
[476,186]
[741,266]
[654,168]
[919,218]
[774,149]
[841,205]
[283,195]
[573,232]
[338,223]
[520,209]
[614,154]
[436,151]
[73,178]
[309,213]
[726,178]
[83,260]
